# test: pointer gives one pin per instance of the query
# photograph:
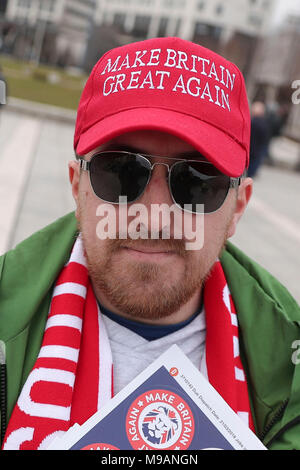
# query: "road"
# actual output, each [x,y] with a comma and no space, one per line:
[34,191]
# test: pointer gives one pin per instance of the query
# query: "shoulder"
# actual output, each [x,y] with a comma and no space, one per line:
[27,272]
[269,319]
[249,280]
[39,246]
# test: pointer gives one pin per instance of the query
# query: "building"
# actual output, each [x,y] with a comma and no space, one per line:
[3,6]
[228,27]
[284,10]
[52,31]
[77,32]
[276,66]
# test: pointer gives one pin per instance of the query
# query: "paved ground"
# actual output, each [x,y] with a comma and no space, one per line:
[34,191]
[270,229]
[34,187]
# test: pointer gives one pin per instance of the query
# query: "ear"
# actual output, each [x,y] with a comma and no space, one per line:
[243,198]
[74,176]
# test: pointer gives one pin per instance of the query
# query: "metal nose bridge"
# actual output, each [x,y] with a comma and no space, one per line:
[161,163]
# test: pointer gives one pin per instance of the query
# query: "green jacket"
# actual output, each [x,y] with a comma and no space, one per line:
[268,320]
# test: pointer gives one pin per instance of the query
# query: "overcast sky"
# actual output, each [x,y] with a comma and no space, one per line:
[285,7]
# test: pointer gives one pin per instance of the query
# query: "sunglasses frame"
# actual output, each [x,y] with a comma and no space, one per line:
[85,166]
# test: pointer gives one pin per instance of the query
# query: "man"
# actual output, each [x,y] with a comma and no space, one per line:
[166,123]
[260,136]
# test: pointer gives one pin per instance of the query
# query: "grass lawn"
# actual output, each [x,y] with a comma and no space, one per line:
[42,84]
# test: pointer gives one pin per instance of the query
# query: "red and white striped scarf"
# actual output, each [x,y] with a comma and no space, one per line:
[73,374]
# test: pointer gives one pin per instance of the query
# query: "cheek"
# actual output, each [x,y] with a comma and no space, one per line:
[218,223]
[84,189]
[87,211]
[216,228]
[213,228]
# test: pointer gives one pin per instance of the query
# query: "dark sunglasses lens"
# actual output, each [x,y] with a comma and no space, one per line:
[113,175]
[199,183]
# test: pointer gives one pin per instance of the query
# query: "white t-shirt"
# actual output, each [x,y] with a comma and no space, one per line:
[132,353]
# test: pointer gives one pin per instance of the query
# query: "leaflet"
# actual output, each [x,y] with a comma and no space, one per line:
[169,406]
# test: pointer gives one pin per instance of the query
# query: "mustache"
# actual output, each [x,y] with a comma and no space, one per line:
[173,245]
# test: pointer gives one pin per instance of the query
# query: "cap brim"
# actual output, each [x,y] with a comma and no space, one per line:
[216,146]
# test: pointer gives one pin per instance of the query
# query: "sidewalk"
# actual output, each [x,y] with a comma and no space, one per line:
[284,152]
[33,109]
[36,146]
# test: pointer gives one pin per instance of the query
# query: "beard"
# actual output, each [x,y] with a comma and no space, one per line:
[145,290]
[142,290]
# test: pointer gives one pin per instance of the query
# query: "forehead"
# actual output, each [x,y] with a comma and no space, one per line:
[150,142]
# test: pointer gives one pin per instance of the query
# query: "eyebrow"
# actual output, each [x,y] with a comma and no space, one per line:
[189,155]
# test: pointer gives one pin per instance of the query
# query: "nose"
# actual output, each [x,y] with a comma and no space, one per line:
[157,190]
[157,200]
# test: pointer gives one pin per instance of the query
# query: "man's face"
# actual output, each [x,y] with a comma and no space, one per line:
[151,279]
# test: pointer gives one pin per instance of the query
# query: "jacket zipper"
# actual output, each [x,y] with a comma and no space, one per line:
[277,417]
[3,391]
[289,425]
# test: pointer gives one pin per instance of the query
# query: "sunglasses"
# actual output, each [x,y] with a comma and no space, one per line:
[193,183]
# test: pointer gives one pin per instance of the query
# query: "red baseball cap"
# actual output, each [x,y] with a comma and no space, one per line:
[171,85]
